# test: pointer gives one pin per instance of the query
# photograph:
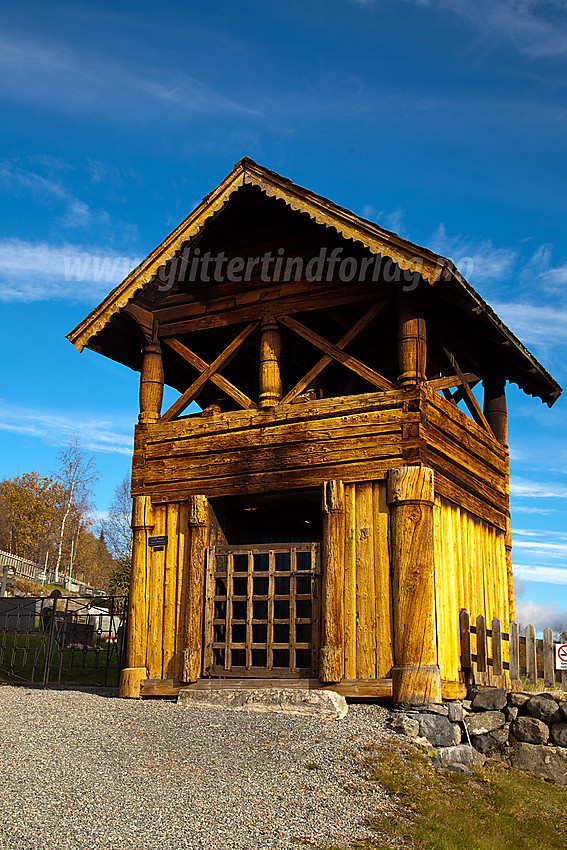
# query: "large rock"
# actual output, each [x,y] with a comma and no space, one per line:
[455,711]
[530,730]
[300,701]
[462,754]
[559,734]
[563,709]
[405,725]
[544,707]
[518,699]
[549,762]
[435,708]
[491,699]
[481,724]
[436,729]
[492,741]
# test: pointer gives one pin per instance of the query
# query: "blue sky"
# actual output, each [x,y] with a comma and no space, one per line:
[444,120]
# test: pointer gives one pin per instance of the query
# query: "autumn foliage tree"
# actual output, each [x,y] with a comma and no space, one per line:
[52,516]
[30,507]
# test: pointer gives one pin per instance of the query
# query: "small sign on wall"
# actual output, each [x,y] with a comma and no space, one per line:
[561,656]
[160,541]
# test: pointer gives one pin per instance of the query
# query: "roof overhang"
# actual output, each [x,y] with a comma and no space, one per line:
[434,269]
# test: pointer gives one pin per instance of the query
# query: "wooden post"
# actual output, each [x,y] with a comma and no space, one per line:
[136,638]
[514,663]
[481,651]
[531,654]
[151,384]
[412,343]
[331,660]
[466,655]
[270,350]
[548,659]
[416,676]
[494,407]
[497,668]
[196,553]
[563,639]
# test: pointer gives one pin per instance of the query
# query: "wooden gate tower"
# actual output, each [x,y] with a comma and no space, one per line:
[341,492]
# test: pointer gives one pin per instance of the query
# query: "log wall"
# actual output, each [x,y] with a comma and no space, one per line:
[470,572]
[350,439]
[167,591]
[367,587]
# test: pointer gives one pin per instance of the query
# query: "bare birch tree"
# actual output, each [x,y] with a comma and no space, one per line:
[77,474]
[117,530]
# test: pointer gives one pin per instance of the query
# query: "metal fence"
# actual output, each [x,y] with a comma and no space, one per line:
[47,641]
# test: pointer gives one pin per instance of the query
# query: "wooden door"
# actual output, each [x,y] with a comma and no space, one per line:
[262,610]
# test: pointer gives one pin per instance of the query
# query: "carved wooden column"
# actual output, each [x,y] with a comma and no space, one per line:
[270,350]
[412,342]
[151,384]
[331,660]
[494,407]
[136,637]
[416,676]
[495,410]
[196,557]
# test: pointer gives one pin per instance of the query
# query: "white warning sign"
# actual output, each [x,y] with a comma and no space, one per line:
[561,656]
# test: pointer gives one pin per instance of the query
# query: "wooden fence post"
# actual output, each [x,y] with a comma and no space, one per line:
[466,655]
[548,659]
[563,639]
[514,663]
[481,651]
[497,668]
[531,654]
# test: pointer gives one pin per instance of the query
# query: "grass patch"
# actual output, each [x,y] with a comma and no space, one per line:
[539,688]
[495,808]
[23,658]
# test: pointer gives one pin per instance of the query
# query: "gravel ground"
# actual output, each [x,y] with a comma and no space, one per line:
[87,770]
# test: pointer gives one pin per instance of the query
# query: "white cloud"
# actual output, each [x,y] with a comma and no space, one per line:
[555,279]
[56,74]
[547,575]
[535,325]
[46,190]
[96,433]
[526,509]
[541,616]
[523,488]
[553,550]
[478,260]
[40,271]
[535,28]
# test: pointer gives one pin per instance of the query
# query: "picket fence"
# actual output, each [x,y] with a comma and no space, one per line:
[512,655]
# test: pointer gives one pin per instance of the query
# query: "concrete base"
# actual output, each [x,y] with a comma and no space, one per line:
[299,701]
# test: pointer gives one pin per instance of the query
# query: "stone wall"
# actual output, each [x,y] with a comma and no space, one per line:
[527,731]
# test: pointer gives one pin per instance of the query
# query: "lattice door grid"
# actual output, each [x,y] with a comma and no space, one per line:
[262,610]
